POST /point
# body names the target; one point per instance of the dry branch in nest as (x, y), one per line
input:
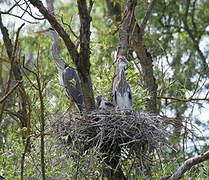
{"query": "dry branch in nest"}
(136, 132)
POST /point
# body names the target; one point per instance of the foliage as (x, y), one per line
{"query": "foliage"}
(175, 36)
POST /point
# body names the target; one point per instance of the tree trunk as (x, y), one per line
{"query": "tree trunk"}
(145, 60)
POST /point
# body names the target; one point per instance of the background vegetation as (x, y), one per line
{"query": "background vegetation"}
(176, 37)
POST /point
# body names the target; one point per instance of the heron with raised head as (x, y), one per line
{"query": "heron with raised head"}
(68, 76)
(122, 97)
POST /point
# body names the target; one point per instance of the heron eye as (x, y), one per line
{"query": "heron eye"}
(51, 29)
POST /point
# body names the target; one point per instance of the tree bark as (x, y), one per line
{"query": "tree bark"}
(83, 63)
(187, 165)
(145, 60)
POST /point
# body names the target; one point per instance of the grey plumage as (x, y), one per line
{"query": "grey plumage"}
(68, 77)
(72, 86)
(122, 96)
(104, 105)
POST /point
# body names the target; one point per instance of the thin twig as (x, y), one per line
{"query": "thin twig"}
(147, 15)
(70, 28)
(10, 91)
(176, 99)
(23, 157)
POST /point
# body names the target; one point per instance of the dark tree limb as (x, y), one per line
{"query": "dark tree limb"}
(10, 92)
(147, 15)
(6, 39)
(145, 60)
(83, 64)
(27, 144)
(188, 164)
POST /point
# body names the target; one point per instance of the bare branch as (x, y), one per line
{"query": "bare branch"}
(29, 12)
(54, 23)
(84, 55)
(10, 92)
(147, 15)
(5, 59)
(187, 165)
(19, 17)
(70, 28)
(91, 3)
(7, 40)
(23, 156)
(182, 99)
(16, 40)
(10, 9)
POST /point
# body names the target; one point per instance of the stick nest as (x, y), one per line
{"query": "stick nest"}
(136, 132)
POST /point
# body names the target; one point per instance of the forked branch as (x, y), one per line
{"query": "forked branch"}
(188, 164)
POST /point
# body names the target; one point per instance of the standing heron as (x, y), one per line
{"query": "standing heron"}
(68, 77)
(122, 96)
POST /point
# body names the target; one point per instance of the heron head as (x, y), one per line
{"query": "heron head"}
(49, 31)
(99, 98)
(121, 62)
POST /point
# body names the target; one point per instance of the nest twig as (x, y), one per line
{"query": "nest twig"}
(137, 132)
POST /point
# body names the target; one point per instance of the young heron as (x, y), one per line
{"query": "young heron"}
(122, 96)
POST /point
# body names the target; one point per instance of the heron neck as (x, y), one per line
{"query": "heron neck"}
(122, 73)
(55, 52)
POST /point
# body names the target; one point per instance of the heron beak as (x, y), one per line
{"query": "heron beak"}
(127, 62)
(39, 32)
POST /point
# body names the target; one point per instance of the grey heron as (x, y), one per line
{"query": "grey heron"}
(68, 76)
(122, 96)
(104, 105)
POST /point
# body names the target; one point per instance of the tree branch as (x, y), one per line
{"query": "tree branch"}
(5, 59)
(187, 165)
(191, 35)
(146, 63)
(183, 99)
(147, 15)
(16, 72)
(23, 157)
(10, 91)
(6, 39)
(54, 23)
(83, 64)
